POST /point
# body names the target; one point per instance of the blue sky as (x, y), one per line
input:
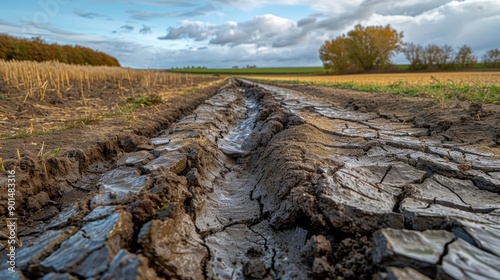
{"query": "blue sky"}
(225, 33)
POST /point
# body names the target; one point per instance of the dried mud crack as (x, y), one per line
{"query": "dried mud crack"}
(263, 182)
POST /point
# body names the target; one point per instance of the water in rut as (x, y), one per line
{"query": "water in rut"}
(261, 182)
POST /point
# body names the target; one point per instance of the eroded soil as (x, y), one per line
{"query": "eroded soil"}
(264, 182)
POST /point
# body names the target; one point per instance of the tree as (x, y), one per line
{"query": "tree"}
(415, 55)
(336, 56)
(445, 60)
(492, 58)
(465, 57)
(35, 49)
(432, 53)
(429, 57)
(364, 48)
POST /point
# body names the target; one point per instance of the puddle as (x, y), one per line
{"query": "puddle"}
(231, 143)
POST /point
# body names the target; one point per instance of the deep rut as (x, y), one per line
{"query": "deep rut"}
(262, 182)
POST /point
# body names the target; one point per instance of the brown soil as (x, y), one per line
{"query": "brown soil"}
(459, 121)
(62, 138)
(274, 197)
(72, 121)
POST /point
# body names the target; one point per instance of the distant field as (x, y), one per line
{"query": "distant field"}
(288, 70)
(441, 86)
(391, 78)
(475, 86)
(256, 71)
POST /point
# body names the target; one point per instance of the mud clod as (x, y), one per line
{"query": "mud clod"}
(254, 269)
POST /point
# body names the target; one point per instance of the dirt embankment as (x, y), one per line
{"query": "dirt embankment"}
(263, 182)
(49, 166)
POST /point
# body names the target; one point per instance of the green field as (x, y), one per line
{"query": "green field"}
(256, 71)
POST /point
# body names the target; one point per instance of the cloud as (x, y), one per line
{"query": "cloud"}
(146, 15)
(88, 15)
(145, 30)
(169, 3)
(157, 3)
(350, 17)
(225, 56)
(470, 22)
(263, 30)
(307, 21)
(412, 8)
(129, 52)
(270, 40)
(196, 30)
(126, 28)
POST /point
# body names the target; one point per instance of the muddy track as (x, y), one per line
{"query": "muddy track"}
(262, 182)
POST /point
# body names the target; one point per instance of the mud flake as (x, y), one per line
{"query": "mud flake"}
(464, 261)
(404, 248)
(173, 161)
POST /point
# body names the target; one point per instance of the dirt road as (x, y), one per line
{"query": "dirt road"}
(264, 182)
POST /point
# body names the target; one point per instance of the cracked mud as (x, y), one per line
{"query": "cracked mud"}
(263, 182)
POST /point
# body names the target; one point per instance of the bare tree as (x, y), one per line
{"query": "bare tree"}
(465, 57)
(492, 58)
(445, 59)
(432, 54)
(415, 55)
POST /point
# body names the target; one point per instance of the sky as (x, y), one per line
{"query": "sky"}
(226, 33)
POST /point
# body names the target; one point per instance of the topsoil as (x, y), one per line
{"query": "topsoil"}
(240, 185)
(48, 163)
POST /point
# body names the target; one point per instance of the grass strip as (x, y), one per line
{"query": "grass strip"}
(440, 91)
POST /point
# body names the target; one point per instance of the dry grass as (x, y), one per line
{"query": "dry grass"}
(471, 86)
(40, 98)
(38, 79)
(469, 78)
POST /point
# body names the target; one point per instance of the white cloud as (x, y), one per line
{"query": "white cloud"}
(467, 22)
(271, 40)
(262, 30)
(194, 12)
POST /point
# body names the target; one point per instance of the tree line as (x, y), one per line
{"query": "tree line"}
(434, 57)
(371, 48)
(35, 49)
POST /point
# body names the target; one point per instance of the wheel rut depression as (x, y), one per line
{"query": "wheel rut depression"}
(262, 182)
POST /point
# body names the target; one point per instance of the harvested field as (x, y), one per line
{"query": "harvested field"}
(483, 87)
(47, 98)
(265, 181)
(470, 78)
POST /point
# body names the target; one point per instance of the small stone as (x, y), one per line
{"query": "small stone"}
(254, 269)
(320, 170)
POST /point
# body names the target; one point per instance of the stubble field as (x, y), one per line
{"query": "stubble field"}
(481, 87)
(470, 78)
